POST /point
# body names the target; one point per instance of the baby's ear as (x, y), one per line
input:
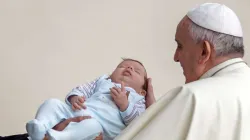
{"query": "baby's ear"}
(143, 92)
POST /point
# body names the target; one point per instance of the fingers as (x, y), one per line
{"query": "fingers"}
(81, 99)
(149, 81)
(80, 118)
(83, 106)
(150, 87)
(122, 87)
(78, 103)
(75, 106)
(150, 98)
(99, 137)
(115, 91)
(62, 125)
(112, 95)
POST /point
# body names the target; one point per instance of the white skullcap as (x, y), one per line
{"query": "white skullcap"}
(216, 17)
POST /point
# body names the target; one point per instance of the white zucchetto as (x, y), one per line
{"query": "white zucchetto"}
(216, 17)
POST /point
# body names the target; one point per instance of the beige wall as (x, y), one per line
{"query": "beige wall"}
(49, 47)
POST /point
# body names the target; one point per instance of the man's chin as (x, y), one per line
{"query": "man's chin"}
(190, 80)
(186, 82)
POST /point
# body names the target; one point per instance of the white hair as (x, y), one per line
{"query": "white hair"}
(224, 44)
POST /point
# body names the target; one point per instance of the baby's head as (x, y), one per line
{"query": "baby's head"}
(133, 74)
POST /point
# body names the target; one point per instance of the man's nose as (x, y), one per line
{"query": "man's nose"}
(176, 56)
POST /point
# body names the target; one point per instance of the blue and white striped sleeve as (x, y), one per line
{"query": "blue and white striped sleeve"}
(86, 90)
(133, 111)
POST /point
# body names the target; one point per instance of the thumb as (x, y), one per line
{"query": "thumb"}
(84, 98)
(81, 99)
(80, 118)
(150, 87)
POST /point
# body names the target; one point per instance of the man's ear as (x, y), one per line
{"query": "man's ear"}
(206, 52)
(143, 92)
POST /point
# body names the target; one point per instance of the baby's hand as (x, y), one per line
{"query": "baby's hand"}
(77, 102)
(120, 96)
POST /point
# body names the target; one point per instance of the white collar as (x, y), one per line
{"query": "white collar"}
(221, 66)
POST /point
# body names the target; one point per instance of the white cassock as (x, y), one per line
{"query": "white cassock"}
(216, 107)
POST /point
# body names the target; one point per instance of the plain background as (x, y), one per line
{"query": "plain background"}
(49, 47)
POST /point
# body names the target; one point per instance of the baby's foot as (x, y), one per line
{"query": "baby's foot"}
(36, 130)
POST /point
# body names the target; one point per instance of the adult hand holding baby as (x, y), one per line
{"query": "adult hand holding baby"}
(77, 102)
(150, 98)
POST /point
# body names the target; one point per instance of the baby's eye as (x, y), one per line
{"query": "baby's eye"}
(137, 71)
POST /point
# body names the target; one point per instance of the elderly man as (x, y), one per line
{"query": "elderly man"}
(214, 104)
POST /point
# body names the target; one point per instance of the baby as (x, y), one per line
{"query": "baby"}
(111, 101)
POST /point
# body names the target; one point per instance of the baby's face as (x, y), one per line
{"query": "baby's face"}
(131, 73)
